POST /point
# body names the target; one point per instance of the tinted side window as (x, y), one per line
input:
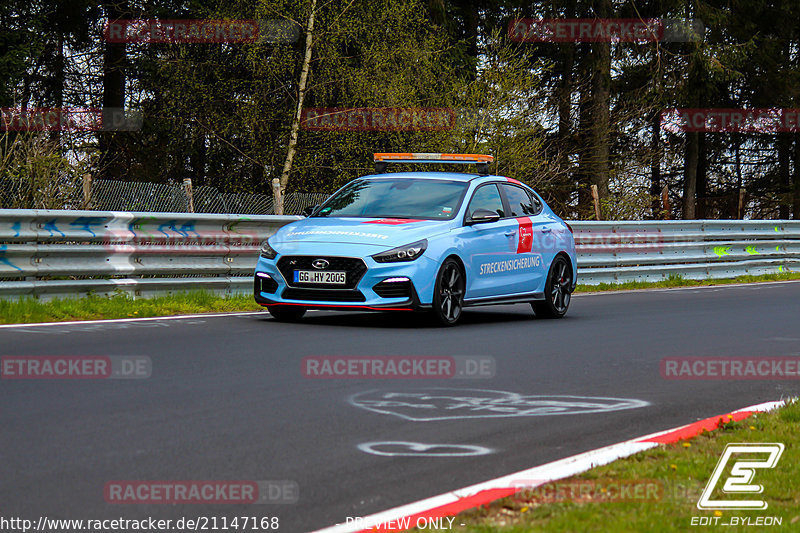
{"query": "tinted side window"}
(521, 203)
(486, 197)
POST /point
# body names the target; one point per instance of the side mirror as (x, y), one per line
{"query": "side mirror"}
(483, 216)
(310, 209)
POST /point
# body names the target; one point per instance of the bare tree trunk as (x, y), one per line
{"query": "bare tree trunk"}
(584, 170)
(690, 175)
(655, 162)
(301, 94)
(566, 88)
(197, 157)
(796, 180)
(601, 95)
(471, 19)
(564, 95)
(655, 138)
(702, 176)
(692, 149)
(593, 159)
(601, 90)
(784, 142)
(58, 82)
(740, 209)
(113, 91)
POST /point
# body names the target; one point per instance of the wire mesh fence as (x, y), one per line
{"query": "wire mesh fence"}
(59, 193)
(111, 195)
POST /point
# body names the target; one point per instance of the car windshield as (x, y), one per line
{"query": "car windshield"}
(425, 199)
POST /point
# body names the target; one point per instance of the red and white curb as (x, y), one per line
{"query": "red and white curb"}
(452, 503)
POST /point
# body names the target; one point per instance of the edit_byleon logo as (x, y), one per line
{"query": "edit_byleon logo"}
(749, 457)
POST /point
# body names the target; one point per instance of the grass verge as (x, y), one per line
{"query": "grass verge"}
(30, 310)
(681, 470)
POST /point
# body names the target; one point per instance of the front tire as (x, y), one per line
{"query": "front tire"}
(286, 313)
(448, 293)
(556, 290)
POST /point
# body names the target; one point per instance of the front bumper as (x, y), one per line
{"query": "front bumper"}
(371, 292)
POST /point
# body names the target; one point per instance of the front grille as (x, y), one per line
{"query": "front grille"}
(264, 285)
(352, 266)
(393, 289)
(323, 295)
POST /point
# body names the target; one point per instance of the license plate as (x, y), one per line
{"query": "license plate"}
(314, 276)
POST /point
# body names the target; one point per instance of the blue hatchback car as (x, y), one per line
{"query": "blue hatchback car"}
(434, 241)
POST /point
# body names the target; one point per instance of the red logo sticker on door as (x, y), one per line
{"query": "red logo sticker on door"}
(525, 242)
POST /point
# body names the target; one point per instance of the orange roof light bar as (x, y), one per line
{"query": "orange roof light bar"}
(481, 160)
(434, 157)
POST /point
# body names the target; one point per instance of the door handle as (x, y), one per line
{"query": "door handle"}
(510, 233)
(546, 230)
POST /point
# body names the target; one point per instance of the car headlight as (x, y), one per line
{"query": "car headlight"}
(267, 252)
(409, 252)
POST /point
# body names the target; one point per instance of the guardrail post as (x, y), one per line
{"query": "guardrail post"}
(596, 201)
(187, 188)
(87, 191)
(278, 198)
(740, 211)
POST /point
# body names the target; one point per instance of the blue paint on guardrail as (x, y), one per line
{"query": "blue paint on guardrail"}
(85, 223)
(188, 227)
(50, 226)
(171, 226)
(4, 260)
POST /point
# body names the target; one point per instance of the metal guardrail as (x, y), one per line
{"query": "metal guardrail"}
(622, 251)
(67, 253)
(62, 253)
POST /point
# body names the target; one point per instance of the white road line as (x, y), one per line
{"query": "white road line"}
(754, 284)
(113, 320)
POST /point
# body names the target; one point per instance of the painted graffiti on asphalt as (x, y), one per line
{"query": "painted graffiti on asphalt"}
(451, 404)
(418, 449)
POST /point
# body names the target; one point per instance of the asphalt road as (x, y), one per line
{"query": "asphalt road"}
(227, 400)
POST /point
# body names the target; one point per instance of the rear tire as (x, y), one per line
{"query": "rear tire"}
(286, 313)
(556, 290)
(448, 293)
